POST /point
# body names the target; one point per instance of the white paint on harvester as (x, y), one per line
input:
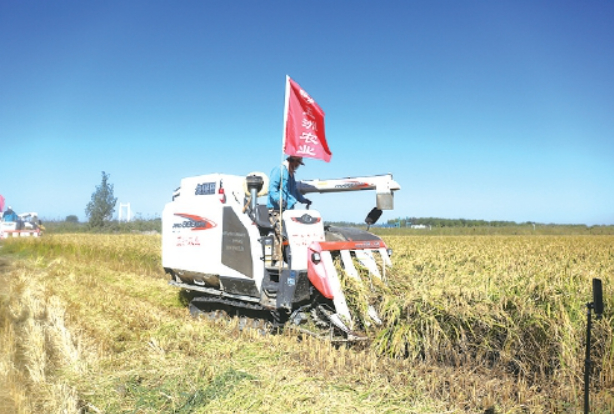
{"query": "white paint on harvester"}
(384, 253)
(366, 259)
(348, 264)
(338, 297)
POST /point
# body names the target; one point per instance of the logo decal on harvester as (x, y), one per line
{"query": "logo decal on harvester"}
(306, 219)
(352, 184)
(194, 222)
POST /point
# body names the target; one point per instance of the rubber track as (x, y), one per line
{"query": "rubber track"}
(194, 310)
(229, 302)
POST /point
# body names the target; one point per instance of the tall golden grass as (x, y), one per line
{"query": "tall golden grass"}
(472, 324)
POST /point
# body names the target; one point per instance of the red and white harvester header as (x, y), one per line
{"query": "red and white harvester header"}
(218, 243)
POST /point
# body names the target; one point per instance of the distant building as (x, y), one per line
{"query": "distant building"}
(418, 226)
(387, 226)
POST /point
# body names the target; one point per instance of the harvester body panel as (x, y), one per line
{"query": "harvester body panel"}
(206, 235)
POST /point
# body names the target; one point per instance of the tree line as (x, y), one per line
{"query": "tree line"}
(437, 222)
(444, 222)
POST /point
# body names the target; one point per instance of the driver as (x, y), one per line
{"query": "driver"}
(289, 195)
(9, 215)
(289, 192)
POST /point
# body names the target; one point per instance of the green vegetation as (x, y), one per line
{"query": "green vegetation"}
(102, 205)
(442, 222)
(72, 219)
(538, 230)
(137, 225)
(450, 227)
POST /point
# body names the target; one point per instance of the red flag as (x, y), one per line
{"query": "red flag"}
(1, 203)
(303, 125)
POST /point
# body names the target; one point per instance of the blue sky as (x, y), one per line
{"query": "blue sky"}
(494, 110)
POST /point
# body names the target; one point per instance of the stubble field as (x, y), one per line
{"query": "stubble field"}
(473, 324)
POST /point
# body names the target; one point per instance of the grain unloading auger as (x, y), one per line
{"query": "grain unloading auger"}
(218, 242)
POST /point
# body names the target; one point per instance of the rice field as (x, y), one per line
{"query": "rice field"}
(472, 324)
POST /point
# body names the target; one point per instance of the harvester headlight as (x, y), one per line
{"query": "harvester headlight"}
(316, 258)
(389, 251)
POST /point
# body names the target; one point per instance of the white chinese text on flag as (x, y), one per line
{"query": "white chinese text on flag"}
(304, 134)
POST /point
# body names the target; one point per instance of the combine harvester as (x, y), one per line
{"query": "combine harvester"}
(218, 244)
(26, 225)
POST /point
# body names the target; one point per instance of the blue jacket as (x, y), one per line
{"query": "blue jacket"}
(9, 216)
(290, 193)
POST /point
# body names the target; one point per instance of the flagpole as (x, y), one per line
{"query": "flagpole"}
(281, 169)
(286, 106)
(283, 143)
